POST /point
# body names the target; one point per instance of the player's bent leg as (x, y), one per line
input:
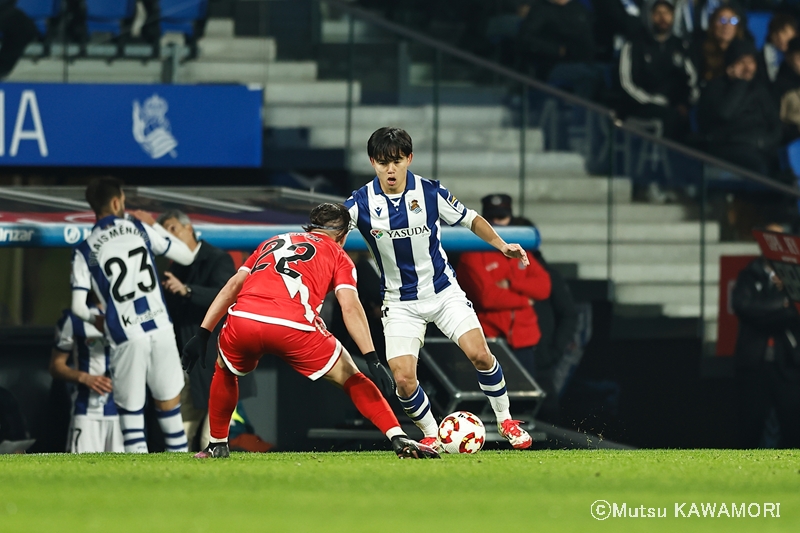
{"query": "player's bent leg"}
(169, 417)
(222, 399)
(493, 385)
(373, 406)
(413, 399)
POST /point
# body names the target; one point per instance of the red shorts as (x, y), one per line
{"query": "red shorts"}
(243, 341)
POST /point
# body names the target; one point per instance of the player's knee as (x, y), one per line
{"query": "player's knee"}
(406, 383)
(482, 358)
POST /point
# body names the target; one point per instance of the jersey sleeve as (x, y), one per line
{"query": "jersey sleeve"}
(452, 211)
(352, 207)
(81, 278)
(248, 265)
(163, 242)
(64, 338)
(344, 276)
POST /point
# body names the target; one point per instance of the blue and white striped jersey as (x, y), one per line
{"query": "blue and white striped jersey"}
(403, 235)
(90, 354)
(116, 262)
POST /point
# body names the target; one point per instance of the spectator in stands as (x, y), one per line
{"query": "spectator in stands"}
(503, 290)
(17, 32)
(693, 18)
(787, 91)
(737, 114)
(189, 290)
(556, 40)
(767, 354)
(726, 25)
(615, 21)
(782, 29)
(657, 76)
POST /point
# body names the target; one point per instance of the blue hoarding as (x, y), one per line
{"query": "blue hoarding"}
(243, 237)
(130, 125)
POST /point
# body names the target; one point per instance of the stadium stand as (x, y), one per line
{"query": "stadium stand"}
(181, 16)
(41, 12)
(758, 24)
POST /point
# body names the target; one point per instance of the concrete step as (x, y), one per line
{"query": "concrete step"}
(665, 293)
(569, 187)
(645, 254)
(245, 49)
(313, 93)
(87, 70)
(596, 213)
(643, 273)
(683, 232)
(219, 27)
(415, 119)
(693, 310)
(484, 172)
(505, 140)
(264, 73)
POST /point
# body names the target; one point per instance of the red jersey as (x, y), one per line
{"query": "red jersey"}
(290, 275)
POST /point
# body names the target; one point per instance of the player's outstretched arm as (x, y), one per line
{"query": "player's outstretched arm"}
(163, 242)
(485, 231)
(226, 298)
(355, 320)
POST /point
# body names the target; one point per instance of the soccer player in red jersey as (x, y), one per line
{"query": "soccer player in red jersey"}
(272, 304)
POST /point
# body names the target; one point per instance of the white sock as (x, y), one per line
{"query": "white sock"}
(418, 408)
(132, 425)
(171, 424)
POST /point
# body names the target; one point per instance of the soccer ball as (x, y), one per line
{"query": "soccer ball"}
(461, 432)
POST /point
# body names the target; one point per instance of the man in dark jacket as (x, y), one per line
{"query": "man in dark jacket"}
(767, 355)
(658, 78)
(556, 37)
(189, 290)
(17, 31)
(737, 114)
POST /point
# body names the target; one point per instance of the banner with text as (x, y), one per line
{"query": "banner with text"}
(130, 125)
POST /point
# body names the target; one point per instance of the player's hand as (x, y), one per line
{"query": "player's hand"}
(503, 284)
(99, 384)
(380, 375)
(515, 251)
(195, 350)
(173, 284)
(144, 217)
(100, 323)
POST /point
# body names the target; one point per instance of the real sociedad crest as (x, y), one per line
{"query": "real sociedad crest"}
(151, 129)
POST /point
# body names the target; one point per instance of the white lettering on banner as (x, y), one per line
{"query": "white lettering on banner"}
(28, 100)
(15, 235)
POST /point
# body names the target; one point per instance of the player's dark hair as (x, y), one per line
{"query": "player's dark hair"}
(330, 217)
(389, 144)
(101, 190)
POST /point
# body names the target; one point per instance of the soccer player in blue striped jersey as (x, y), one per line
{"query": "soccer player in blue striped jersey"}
(95, 425)
(116, 262)
(400, 214)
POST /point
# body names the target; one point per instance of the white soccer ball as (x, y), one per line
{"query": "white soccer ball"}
(461, 432)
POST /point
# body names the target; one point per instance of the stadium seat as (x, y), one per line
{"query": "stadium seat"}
(757, 23)
(40, 11)
(179, 16)
(106, 16)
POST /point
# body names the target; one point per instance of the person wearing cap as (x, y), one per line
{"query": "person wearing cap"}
(503, 290)
(787, 91)
(738, 118)
(657, 77)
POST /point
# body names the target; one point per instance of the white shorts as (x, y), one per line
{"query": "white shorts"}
(95, 435)
(151, 361)
(404, 323)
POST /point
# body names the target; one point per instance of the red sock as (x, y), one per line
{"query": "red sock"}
(370, 402)
(222, 401)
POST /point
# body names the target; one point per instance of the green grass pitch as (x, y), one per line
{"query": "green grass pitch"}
(508, 491)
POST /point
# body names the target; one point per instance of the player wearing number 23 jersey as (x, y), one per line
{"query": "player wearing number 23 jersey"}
(116, 262)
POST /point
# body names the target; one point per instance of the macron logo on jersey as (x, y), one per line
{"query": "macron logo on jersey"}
(402, 233)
